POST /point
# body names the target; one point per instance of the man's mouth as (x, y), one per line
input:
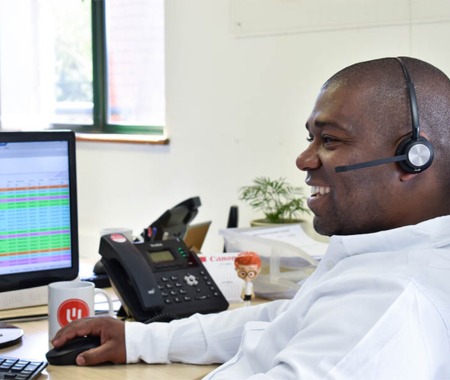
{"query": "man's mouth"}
(319, 190)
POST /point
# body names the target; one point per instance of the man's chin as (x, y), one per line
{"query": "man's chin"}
(322, 228)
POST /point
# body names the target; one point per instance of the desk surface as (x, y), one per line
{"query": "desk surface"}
(34, 346)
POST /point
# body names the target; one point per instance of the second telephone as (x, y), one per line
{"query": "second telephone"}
(159, 281)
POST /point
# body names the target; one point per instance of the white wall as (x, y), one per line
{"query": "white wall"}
(236, 108)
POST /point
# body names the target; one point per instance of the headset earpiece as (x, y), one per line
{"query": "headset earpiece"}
(419, 154)
(418, 151)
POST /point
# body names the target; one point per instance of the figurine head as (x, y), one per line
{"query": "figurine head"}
(247, 265)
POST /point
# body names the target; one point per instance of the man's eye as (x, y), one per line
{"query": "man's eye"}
(325, 139)
(328, 139)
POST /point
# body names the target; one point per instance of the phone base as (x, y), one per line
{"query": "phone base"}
(100, 280)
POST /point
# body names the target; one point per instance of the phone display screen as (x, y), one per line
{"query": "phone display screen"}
(161, 257)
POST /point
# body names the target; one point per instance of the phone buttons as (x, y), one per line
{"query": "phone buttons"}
(191, 280)
(187, 287)
(205, 297)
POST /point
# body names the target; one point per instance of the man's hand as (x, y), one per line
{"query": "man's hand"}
(112, 337)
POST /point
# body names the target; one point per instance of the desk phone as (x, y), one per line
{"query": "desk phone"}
(159, 280)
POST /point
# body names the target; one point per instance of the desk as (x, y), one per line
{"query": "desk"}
(34, 346)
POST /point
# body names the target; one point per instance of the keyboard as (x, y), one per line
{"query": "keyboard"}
(20, 369)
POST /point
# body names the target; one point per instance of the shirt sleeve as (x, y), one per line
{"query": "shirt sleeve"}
(363, 340)
(199, 339)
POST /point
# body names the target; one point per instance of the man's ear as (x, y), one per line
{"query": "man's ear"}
(405, 177)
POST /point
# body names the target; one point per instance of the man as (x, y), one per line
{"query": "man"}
(378, 305)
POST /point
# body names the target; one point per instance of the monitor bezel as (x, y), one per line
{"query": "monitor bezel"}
(9, 282)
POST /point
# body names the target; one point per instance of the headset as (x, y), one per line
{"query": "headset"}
(414, 154)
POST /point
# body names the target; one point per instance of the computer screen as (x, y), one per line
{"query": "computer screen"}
(38, 209)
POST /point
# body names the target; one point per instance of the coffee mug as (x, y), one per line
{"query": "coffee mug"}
(71, 300)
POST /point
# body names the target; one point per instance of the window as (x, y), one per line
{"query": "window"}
(88, 65)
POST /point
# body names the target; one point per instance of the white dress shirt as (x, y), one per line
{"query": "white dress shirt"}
(377, 307)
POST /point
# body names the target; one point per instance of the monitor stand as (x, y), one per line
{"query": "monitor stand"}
(9, 335)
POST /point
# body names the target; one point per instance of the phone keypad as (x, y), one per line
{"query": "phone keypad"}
(187, 287)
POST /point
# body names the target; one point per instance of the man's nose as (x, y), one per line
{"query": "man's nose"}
(308, 159)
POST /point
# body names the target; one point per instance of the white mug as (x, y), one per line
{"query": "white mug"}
(71, 300)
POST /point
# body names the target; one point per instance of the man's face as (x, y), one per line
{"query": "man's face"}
(341, 132)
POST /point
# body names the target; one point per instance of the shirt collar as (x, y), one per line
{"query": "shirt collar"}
(433, 232)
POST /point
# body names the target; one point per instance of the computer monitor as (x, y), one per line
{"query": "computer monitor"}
(38, 209)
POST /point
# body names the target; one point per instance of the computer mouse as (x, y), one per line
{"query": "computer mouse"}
(66, 354)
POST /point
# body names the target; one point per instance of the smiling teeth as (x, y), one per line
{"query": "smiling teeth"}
(320, 190)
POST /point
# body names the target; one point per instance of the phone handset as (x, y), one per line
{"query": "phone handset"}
(129, 273)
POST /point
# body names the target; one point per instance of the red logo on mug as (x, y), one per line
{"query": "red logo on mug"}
(71, 310)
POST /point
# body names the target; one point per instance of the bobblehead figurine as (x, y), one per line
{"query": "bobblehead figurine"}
(248, 266)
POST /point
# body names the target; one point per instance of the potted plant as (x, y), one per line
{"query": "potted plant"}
(279, 201)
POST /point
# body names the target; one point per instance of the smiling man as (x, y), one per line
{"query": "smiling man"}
(378, 305)
(364, 113)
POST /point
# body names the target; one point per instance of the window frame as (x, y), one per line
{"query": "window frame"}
(100, 129)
